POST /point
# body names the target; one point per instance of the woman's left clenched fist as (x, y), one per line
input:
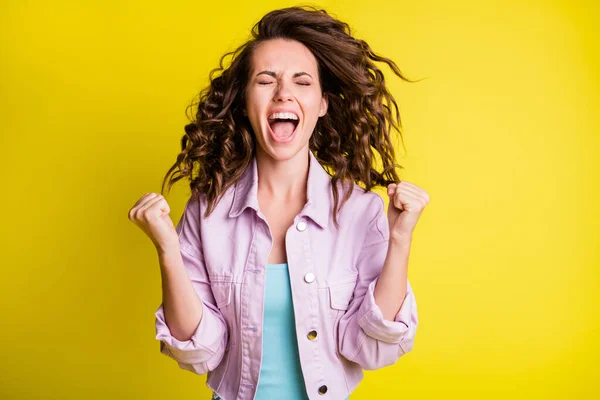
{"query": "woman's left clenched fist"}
(407, 202)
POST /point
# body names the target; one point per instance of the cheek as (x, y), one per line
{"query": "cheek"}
(253, 110)
(315, 102)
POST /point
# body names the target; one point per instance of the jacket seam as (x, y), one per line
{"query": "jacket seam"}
(184, 248)
(402, 347)
(226, 368)
(376, 219)
(361, 340)
(375, 244)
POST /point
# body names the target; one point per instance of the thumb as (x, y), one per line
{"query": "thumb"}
(391, 189)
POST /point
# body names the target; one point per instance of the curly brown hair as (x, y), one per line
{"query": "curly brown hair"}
(346, 141)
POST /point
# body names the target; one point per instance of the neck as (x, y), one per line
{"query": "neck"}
(283, 180)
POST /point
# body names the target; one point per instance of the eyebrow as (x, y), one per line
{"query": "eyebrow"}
(271, 73)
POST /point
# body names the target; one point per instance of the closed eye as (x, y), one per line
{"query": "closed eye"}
(299, 83)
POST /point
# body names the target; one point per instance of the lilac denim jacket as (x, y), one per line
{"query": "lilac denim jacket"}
(333, 272)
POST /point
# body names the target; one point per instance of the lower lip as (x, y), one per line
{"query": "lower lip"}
(281, 140)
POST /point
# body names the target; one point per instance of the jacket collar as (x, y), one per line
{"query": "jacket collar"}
(318, 191)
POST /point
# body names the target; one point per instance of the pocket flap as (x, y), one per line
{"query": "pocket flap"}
(340, 295)
(222, 293)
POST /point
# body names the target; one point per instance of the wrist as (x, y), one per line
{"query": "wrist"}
(166, 250)
(400, 239)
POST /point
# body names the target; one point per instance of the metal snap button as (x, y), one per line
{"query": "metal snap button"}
(323, 389)
(312, 335)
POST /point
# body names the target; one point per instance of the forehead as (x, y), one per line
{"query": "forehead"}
(280, 55)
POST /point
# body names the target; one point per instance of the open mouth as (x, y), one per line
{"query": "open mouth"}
(283, 129)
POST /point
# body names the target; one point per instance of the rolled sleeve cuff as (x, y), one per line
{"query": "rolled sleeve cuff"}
(372, 322)
(209, 336)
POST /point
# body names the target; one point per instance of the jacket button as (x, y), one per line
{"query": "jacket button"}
(323, 389)
(301, 226)
(312, 335)
(309, 277)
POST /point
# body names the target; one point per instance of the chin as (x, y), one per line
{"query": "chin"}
(282, 151)
(283, 154)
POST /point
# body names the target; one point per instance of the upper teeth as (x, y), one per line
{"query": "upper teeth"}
(285, 115)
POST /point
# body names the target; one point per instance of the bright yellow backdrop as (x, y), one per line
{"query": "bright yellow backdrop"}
(503, 134)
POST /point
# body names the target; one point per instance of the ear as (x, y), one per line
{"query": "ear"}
(324, 105)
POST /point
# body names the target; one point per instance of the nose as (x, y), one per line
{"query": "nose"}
(283, 92)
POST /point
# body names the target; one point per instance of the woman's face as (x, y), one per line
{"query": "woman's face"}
(283, 97)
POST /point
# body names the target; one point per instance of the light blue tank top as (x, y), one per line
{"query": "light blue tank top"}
(280, 371)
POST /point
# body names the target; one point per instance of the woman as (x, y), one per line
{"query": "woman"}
(269, 274)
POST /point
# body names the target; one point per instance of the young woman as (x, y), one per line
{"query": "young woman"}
(284, 278)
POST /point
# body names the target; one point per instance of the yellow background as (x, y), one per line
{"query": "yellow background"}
(503, 134)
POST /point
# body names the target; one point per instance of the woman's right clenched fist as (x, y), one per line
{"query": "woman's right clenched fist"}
(151, 214)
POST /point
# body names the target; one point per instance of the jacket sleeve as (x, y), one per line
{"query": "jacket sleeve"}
(205, 349)
(365, 337)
